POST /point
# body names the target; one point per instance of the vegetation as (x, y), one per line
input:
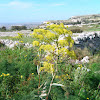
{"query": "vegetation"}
(76, 30)
(18, 28)
(20, 37)
(92, 27)
(3, 28)
(48, 70)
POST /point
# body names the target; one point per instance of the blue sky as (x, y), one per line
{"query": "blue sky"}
(24, 11)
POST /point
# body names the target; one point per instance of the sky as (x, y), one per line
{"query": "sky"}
(29, 11)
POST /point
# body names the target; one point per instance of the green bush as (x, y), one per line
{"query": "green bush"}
(18, 28)
(1, 44)
(19, 64)
(76, 30)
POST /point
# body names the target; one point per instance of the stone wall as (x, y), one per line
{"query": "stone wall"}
(92, 42)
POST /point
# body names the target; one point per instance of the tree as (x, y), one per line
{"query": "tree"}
(3, 28)
(18, 27)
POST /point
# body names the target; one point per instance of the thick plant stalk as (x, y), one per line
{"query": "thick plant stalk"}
(53, 76)
(39, 83)
(50, 87)
(39, 71)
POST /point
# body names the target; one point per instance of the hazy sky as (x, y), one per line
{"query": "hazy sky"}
(15, 11)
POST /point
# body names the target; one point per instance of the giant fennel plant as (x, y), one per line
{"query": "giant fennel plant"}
(54, 46)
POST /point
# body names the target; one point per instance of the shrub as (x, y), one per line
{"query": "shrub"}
(76, 30)
(80, 53)
(18, 28)
(1, 44)
(3, 28)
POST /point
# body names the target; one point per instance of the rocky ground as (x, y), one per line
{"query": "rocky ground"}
(14, 33)
(90, 40)
(10, 43)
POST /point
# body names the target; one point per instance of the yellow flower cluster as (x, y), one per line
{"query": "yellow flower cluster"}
(35, 43)
(60, 29)
(4, 74)
(62, 25)
(53, 26)
(63, 77)
(21, 41)
(72, 54)
(41, 34)
(50, 35)
(40, 37)
(63, 51)
(65, 31)
(47, 67)
(40, 31)
(48, 48)
(57, 30)
(48, 58)
(63, 43)
(70, 41)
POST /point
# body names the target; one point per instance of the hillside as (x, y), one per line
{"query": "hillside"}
(85, 19)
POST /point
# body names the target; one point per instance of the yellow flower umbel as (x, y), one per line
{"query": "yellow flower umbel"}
(62, 43)
(62, 25)
(47, 48)
(72, 54)
(49, 35)
(47, 67)
(35, 43)
(70, 41)
(48, 58)
(40, 37)
(63, 52)
(58, 30)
